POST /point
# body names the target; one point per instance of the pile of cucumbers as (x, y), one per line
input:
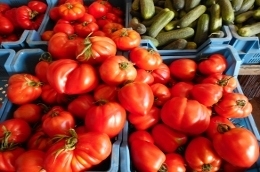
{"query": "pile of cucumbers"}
(186, 24)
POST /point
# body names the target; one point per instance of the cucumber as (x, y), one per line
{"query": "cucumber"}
(156, 17)
(158, 9)
(208, 3)
(135, 5)
(191, 16)
(256, 14)
(147, 8)
(249, 30)
(190, 4)
(191, 45)
(202, 30)
(160, 23)
(257, 3)
(215, 18)
(166, 37)
(178, 44)
(169, 4)
(227, 12)
(246, 5)
(153, 40)
(178, 4)
(171, 25)
(241, 18)
(236, 4)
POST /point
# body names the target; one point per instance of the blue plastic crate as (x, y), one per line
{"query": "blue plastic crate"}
(34, 37)
(21, 43)
(24, 61)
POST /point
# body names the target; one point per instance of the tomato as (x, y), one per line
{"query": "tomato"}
(144, 76)
(136, 97)
(57, 122)
(105, 117)
(181, 89)
(95, 49)
(36, 158)
(54, 13)
(66, 28)
(161, 93)
(11, 15)
(227, 167)
(4, 7)
(146, 156)
(143, 122)
(233, 105)
(42, 66)
(8, 158)
(183, 69)
(242, 146)
(98, 33)
(110, 27)
(14, 131)
(78, 152)
(70, 72)
(29, 112)
(201, 156)
(126, 39)
(23, 88)
(46, 35)
(145, 58)
(78, 106)
(167, 139)
(117, 70)
(98, 9)
(229, 83)
(140, 135)
(188, 116)
(105, 92)
(39, 140)
(6, 26)
(109, 17)
(51, 97)
(107, 4)
(162, 74)
(71, 11)
(62, 46)
(175, 163)
(85, 28)
(207, 94)
(64, 1)
(215, 63)
(37, 6)
(28, 19)
(9, 38)
(215, 121)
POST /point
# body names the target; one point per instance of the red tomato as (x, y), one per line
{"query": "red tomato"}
(78, 152)
(175, 163)
(183, 69)
(86, 25)
(233, 105)
(143, 122)
(188, 116)
(181, 89)
(38, 6)
(215, 63)
(105, 117)
(46, 35)
(57, 122)
(201, 156)
(9, 38)
(144, 76)
(71, 72)
(6, 26)
(39, 140)
(98, 9)
(167, 139)
(105, 92)
(62, 46)
(227, 167)
(107, 4)
(71, 11)
(162, 74)
(140, 135)
(229, 83)
(126, 39)
(54, 13)
(14, 131)
(42, 66)
(4, 7)
(207, 94)
(215, 121)
(23, 88)
(117, 11)
(145, 58)
(11, 15)
(136, 97)
(110, 27)
(117, 70)
(78, 106)
(146, 156)
(29, 112)
(95, 49)
(98, 33)
(35, 163)
(8, 158)
(161, 93)
(66, 28)
(242, 146)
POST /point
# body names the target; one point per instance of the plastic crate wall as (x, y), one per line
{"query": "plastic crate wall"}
(21, 43)
(24, 61)
(248, 47)
(234, 63)
(34, 37)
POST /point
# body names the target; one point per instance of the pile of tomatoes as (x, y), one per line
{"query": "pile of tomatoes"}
(14, 20)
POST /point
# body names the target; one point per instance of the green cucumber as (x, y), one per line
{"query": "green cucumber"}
(227, 12)
(246, 5)
(241, 18)
(215, 18)
(178, 4)
(249, 30)
(190, 4)
(147, 8)
(156, 17)
(202, 30)
(178, 44)
(236, 4)
(153, 40)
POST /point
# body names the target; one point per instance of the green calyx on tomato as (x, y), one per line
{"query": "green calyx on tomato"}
(222, 128)
(32, 83)
(224, 81)
(5, 145)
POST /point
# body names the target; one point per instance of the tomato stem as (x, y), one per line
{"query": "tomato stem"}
(163, 168)
(5, 140)
(222, 128)
(86, 51)
(46, 56)
(241, 103)
(206, 167)
(224, 82)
